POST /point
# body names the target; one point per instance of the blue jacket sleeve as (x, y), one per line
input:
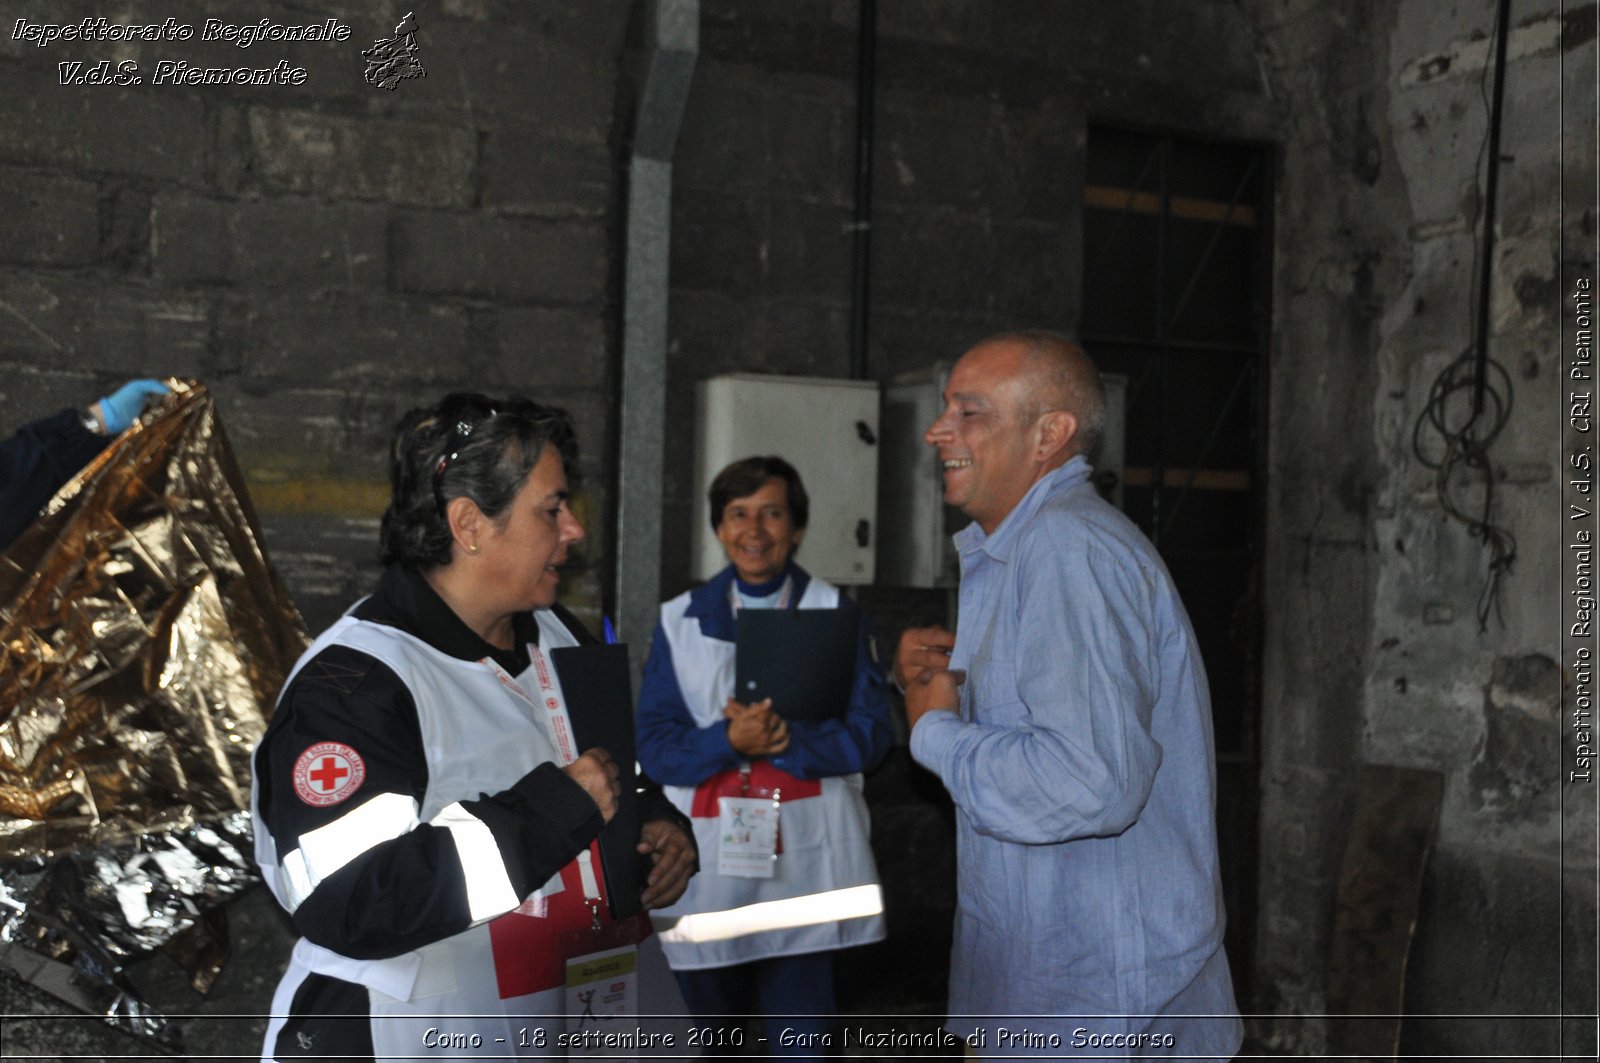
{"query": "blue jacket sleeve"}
(671, 749)
(856, 741)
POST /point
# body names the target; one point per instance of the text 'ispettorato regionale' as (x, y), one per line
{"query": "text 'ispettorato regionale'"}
(177, 72)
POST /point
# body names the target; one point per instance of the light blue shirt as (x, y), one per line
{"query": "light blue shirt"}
(1083, 773)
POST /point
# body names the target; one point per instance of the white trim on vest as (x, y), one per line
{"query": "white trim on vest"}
(489, 889)
(333, 845)
(852, 902)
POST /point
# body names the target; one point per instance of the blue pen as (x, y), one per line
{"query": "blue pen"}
(610, 631)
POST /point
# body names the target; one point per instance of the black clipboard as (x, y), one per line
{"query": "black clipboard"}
(599, 694)
(803, 659)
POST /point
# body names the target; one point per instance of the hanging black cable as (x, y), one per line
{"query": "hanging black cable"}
(866, 49)
(1466, 447)
(1492, 184)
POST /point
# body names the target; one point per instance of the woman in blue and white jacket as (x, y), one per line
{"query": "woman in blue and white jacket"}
(762, 945)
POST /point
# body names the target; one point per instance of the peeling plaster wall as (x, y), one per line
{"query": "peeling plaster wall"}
(1334, 258)
(1375, 655)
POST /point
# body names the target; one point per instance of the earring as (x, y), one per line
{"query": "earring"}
(472, 549)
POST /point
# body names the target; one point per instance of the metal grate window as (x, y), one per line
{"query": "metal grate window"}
(1175, 298)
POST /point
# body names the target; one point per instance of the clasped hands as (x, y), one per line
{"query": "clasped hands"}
(922, 670)
(755, 730)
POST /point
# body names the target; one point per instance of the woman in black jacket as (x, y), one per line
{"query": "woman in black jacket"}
(425, 806)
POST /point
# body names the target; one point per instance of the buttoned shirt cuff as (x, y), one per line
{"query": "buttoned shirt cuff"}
(932, 737)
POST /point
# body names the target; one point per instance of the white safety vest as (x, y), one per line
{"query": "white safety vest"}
(824, 893)
(477, 738)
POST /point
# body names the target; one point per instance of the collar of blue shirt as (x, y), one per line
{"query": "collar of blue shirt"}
(1003, 542)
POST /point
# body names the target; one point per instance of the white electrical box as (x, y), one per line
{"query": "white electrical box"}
(826, 429)
(915, 548)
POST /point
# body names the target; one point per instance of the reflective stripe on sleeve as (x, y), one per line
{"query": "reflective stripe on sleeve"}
(333, 845)
(489, 891)
(855, 902)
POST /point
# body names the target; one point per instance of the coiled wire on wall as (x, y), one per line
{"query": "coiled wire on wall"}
(1465, 451)
(1466, 448)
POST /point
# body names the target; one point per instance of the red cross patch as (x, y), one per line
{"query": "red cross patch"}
(327, 773)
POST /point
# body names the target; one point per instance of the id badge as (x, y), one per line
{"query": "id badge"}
(602, 987)
(748, 827)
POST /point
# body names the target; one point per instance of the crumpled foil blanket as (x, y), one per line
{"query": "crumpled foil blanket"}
(143, 639)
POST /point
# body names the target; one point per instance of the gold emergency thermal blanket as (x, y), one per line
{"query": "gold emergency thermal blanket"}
(143, 639)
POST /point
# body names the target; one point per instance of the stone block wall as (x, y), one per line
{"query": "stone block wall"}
(324, 254)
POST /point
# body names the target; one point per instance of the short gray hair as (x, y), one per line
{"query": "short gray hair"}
(1064, 377)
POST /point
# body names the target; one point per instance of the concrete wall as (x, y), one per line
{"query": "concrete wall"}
(1374, 654)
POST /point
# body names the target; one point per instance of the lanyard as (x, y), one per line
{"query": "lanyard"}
(560, 725)
(551, 703)
(591, 885)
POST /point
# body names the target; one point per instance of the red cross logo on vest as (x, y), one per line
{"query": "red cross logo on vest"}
(328, 773)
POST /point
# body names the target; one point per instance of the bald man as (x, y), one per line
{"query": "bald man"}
(1069, 718)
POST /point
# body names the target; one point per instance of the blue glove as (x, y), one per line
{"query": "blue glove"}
(119, 408)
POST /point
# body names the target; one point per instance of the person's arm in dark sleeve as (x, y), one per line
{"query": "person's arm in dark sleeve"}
(856, 741)
(34, 463)
(365, 876)
(671, 862)
(671, 748)
(653, 804)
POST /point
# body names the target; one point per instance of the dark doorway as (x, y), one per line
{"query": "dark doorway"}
(1177, 254)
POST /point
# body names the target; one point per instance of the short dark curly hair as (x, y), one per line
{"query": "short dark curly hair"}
(465, 445)
(747, 475)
